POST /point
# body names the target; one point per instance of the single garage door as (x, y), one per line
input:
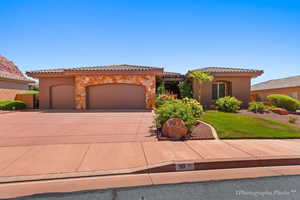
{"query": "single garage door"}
(115, 96)
(62, 97)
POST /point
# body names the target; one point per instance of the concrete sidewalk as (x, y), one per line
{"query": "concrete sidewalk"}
(76, 160)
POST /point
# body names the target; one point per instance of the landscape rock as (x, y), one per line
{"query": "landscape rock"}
(280, 111)
(174, 128)
(202, 131)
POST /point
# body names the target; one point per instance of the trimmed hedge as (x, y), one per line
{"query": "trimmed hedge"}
(31, 92)
(12, 105)
(284, 101)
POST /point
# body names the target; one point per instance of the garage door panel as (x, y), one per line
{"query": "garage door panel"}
(114, 96)
(62, 97)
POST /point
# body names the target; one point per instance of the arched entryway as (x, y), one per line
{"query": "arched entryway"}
(116, 96)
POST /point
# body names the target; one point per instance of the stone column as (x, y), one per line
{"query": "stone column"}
(80, 93)
(150, 86)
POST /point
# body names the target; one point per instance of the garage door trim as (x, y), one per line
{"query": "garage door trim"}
(51, 95)
(135, 103)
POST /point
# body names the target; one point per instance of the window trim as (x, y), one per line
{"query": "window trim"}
(218, 89)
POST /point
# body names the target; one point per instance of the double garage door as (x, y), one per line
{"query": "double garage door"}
(108, 96)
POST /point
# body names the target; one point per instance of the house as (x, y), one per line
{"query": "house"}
(99, 87)
(132, 86)
(288, 86)
(227, 82)
(12, 81)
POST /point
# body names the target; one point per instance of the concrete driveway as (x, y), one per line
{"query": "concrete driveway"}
(72, 127)
(49, 145)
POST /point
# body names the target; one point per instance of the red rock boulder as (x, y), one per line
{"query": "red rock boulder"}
(280, 111)
(174, 128)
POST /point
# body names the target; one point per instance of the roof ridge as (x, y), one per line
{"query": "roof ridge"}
(226, 69)
(98, 67)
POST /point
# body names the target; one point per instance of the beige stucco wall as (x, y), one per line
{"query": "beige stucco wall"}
(240, 89)
(9, 89)
(45, 88)
(292, 92)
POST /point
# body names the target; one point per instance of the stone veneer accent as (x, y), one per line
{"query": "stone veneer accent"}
(83, 81)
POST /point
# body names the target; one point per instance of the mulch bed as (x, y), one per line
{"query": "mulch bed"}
(274, 116)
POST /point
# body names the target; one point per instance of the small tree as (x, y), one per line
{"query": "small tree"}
(185, 88)
(161, 90)
(200, 77)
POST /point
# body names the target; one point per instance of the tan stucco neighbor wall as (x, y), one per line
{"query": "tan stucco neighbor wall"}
(240, 87)
(83, 81)
(9, 89)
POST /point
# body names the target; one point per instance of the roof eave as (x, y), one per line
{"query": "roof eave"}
(278, 88)
(92, 72)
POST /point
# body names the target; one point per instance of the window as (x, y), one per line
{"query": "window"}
(218, 90)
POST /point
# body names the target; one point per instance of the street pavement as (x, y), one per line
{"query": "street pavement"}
(275, 188)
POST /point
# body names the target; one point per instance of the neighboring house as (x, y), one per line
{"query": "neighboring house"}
(12, 81)
(288, 86)
(227, 82)
(99, 87)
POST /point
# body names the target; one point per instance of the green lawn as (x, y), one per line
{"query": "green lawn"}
(232, 125)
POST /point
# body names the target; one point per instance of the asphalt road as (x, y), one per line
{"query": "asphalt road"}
(285, 187)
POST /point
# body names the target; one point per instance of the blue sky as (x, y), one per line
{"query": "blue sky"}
(177, 35)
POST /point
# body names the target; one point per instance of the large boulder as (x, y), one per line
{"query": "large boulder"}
(174, 128)
(202, 130)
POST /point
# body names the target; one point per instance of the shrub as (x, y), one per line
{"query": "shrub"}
(185, 88)
(195, 105)
(228, 104)
(175, 110)
(292, 119)
(284, 101)
(257, 107)
(12, 105)
(164, 99)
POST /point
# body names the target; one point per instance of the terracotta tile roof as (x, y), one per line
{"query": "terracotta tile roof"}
(8, 70)
(123, 67)
(288, 82)
(227, 70)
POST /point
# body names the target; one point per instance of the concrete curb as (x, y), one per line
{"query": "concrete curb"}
(172, 166)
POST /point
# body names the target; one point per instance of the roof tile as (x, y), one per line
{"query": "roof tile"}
(226, 70)
(123, 67)
(9, 70)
